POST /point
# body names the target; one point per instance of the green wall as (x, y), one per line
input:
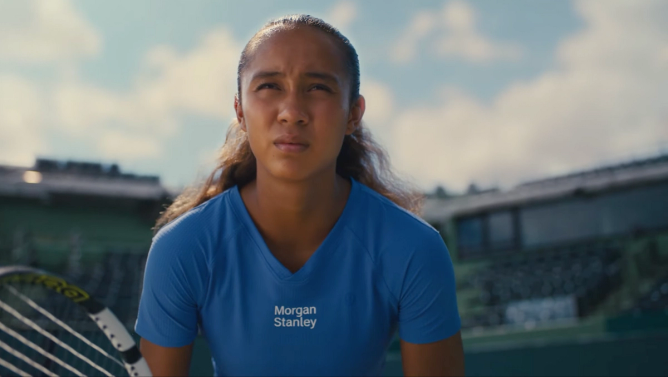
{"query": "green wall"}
(51, 226)
(610, 355)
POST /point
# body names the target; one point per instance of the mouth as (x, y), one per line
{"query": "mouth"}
(291, 147)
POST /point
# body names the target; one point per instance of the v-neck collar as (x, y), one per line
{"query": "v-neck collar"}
(328, 246)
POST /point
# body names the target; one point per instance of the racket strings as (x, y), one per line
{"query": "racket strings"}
(14, 369)
(45, 331)
(62, 324)
(34, 326)
(37, 348)
(12, 351)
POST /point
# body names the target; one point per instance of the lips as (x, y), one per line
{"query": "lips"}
(290, 139)
(291, 143)
(291, 147)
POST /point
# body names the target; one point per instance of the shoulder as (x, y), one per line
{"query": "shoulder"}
(199, 229)
(392, 224)
(399, 242)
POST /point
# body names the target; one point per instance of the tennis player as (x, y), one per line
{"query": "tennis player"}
(300, 255)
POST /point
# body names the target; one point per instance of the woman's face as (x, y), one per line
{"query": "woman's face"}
(295, 104)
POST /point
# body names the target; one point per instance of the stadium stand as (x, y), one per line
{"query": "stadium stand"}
(87, 221)
(563, 258)
(587, 244)
(656, 299)
(523, 285)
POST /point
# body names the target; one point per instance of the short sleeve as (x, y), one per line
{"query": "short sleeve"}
(428, 303)
(173, 286)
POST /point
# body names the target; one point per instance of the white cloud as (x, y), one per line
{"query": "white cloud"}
(118, 145)
(607, 99)
(663, 57)
(379, 102)
(342, 14)
(464, 41)
(21, 121)
(379, 109)
(405, 49)
(201, 82)
(454, 35)
(37, 31)
(123, 126)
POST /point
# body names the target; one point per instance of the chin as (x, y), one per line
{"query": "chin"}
(296, 169)
(290, 172)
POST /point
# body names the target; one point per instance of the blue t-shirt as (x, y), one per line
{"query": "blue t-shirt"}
(379, 268)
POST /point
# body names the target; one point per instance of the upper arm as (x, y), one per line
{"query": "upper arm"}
(428, 303)
(442, 358)
(175, 281)
(166, 361)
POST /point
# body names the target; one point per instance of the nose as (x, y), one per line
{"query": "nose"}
(293, 110)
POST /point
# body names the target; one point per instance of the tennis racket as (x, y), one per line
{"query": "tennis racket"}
(49, 327)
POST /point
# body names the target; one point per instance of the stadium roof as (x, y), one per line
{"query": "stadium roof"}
(49, 177)
(580, 183)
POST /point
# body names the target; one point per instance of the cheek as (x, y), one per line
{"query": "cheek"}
(258, 143)
(257, 121)
(330, 108)
(256, 113)
(330, 139)
(331, 129)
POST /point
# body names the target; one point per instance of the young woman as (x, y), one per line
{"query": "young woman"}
(299, 255)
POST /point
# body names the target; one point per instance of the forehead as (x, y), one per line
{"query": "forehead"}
(299, 50)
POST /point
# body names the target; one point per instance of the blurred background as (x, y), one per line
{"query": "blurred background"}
(537, 130)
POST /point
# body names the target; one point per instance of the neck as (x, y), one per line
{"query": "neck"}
(295, 215)
(296, 202)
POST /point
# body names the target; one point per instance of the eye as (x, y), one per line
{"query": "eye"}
(267, 85)
(321, 87)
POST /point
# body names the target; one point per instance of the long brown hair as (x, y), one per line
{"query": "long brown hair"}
(360, 158)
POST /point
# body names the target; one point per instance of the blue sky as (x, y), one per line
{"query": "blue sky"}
(481, 91)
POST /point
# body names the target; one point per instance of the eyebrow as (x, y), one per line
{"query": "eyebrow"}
(265, 74)
(318, 75)
(323, 75)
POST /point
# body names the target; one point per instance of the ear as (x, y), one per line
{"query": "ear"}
(356, 113)
(239, 112)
